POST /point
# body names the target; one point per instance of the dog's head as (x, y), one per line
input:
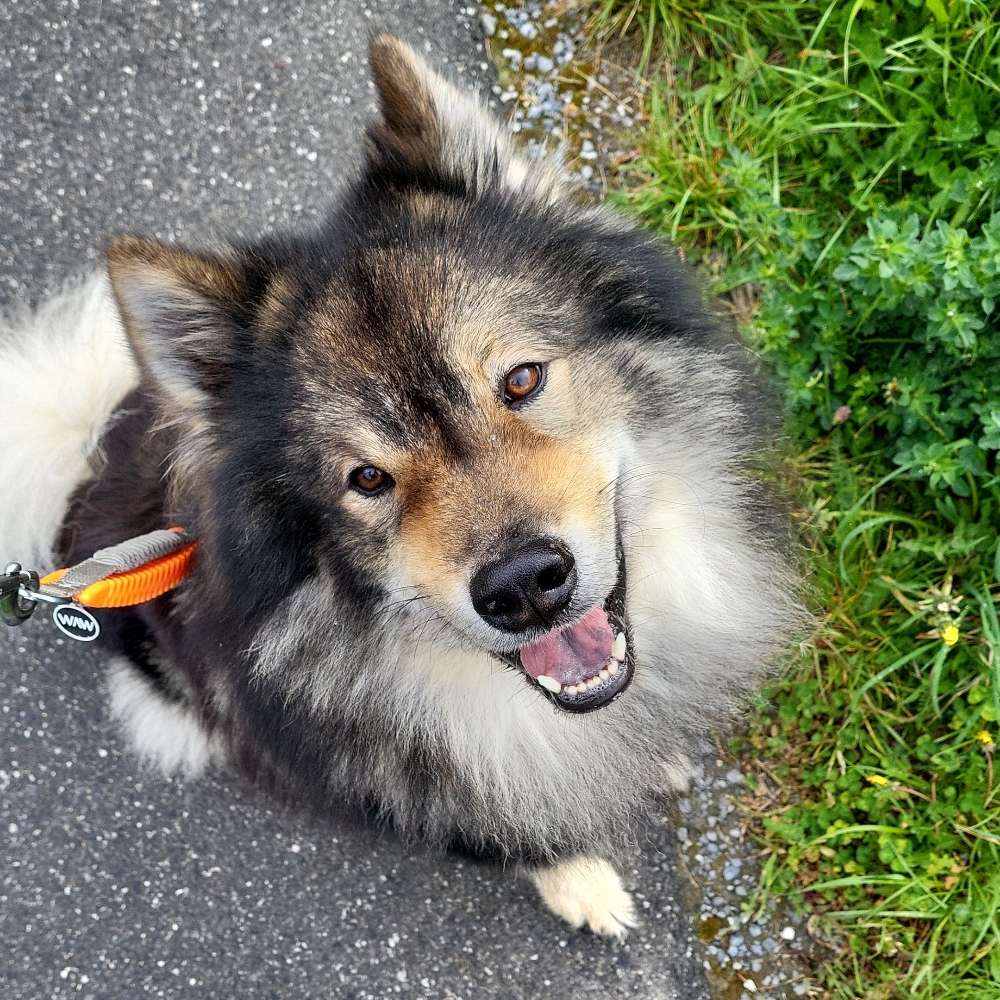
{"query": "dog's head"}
(449, 397)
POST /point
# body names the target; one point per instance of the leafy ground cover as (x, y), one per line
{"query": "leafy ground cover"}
(835, 169)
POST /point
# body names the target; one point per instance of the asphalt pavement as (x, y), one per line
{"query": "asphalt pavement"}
(184, 120)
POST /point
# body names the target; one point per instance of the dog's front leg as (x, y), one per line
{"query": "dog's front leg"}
(586, 891)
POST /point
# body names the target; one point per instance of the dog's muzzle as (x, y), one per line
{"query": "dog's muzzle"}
(587, 664)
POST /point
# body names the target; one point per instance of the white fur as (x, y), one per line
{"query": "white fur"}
(587, 891)
(678, 775)
(165, 734)
(64, 367)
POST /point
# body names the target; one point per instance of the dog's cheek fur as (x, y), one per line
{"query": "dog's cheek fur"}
(714, 595)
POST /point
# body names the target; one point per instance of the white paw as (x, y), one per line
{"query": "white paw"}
(163, 733)
(587, 892)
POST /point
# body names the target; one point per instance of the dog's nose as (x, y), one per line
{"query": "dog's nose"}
(525, 589)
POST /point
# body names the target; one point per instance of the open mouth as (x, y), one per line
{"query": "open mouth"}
(586, 665)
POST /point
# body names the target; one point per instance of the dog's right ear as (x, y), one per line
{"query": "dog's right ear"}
(181, 311)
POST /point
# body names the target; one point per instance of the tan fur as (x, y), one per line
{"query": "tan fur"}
(278, 301)
(177, 269)
(453, 518)
(425, 119)
(548, 465)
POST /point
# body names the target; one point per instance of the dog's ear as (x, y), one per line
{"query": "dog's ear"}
(181, 311)
(433, 133)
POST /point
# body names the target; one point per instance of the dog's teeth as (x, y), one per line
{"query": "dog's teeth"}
(604, 674)
(593, 682)
(549, 683)
(618, 649)
(572, 689)
(613, 667)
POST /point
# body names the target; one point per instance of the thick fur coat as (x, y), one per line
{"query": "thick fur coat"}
(326, 642)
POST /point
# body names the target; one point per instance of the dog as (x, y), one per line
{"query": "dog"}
(484, 551)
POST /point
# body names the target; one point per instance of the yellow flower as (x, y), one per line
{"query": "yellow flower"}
(949, 635)
(984, 737)
(877, 779)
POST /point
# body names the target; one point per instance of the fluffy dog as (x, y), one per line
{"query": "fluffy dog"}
(482, 551)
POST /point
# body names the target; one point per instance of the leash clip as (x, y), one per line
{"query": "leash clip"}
(18, 594)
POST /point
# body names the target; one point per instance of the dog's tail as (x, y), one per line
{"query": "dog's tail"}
(64, 367)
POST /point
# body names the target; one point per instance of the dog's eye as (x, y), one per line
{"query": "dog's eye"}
(523, 382)
(369, 481)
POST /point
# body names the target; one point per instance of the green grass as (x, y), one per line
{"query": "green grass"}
(835, 170)
(875, 794)
(668, 26)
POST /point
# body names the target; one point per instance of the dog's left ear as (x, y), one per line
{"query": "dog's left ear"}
(432, 133)
(182, 314)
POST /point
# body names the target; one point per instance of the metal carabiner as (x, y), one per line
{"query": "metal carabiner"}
(17, 589)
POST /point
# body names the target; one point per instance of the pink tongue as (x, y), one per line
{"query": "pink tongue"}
(573, 654)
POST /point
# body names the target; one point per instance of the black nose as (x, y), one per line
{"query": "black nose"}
(525, 589)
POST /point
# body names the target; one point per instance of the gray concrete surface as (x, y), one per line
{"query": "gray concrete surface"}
(181, 119)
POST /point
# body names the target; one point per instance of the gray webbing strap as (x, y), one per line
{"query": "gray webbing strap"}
(130, 554)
